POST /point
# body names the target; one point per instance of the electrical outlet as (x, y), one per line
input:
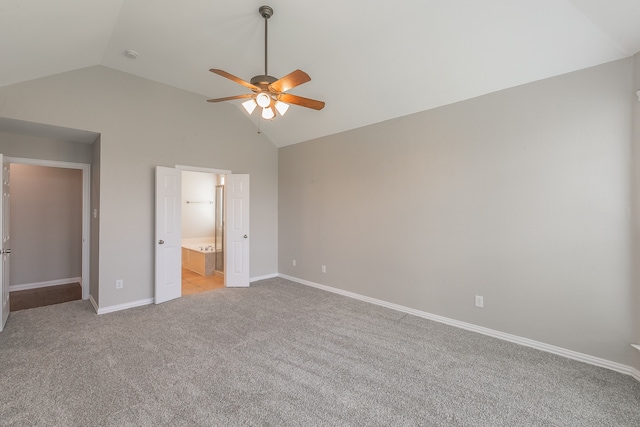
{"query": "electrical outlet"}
(119, 284)
(479, 301)
(324, 268)
(294, 262)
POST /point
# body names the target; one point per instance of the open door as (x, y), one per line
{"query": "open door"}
(5, 248)
(237, 231)
(168, 241)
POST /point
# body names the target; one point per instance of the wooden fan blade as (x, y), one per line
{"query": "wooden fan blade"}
(303, 102)
(290, 81)
(229, 98)
(234, 78)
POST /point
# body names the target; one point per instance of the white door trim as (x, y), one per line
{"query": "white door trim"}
(199, 169)
(86, 208)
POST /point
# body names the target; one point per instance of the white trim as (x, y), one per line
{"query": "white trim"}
(118, 307)
(636, 346)
(581, 357)
(267, 276)
(58, 282)
(199, 169)
(86, 208)
(94, 303)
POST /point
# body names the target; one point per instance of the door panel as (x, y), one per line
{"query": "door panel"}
(5, 248)
(168, 240)
(237, 231)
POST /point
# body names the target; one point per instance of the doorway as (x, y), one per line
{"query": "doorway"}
(202, 251)
(168, 232)
(49, 224)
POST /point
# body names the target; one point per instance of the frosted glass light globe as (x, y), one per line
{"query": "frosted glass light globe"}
(263, 100)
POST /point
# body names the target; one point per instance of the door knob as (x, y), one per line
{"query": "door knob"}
(245, 236)
(161, 242)
(7, 251)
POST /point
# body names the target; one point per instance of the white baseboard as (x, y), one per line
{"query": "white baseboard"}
(94, 303)
(581, 357)
(24, 287)
(268, 276)
(112, 308)
(118, 307)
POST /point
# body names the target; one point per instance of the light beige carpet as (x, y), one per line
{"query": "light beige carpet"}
(280, 353)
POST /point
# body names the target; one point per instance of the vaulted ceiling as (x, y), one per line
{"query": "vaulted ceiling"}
(369, 60)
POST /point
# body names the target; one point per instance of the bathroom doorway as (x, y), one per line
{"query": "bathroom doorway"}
(168, 230)
(203, 250)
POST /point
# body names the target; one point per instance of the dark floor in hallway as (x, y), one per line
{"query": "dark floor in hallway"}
(32, 298)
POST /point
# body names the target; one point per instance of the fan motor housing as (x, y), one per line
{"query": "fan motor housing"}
(262, 81)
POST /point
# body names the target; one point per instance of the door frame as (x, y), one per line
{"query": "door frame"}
(86, 208)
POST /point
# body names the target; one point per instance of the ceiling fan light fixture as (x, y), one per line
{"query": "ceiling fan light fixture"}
(249, 105)
(267, 113)
(267, 89)
(281, 107)
(263, 100)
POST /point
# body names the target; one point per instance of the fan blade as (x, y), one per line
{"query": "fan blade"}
(303, 102)
(229, 98)
(234, 78)
(290, 81)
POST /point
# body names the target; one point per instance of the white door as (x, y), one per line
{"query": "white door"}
(236, 269)
(168, 280)
(5, 248)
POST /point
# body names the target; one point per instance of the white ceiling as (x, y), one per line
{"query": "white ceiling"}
(369, 60)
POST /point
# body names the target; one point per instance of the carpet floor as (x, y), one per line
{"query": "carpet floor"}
(280, 353)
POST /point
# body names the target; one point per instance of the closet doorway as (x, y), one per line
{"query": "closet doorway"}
(49, 225)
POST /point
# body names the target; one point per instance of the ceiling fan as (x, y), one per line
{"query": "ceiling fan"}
(269, 93)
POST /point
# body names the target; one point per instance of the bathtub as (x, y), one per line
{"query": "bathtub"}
(200, 257)
(204, 247)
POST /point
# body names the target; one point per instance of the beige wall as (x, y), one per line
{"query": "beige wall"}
(521, 196)
(46, 224)
(143, 124)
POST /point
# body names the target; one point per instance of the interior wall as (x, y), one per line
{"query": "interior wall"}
(198, 216)
(46, 224)
(143, 124)
(520, 196)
